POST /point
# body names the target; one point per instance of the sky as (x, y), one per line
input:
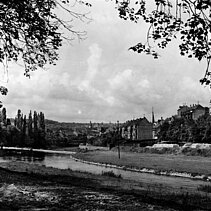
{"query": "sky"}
(100, 80)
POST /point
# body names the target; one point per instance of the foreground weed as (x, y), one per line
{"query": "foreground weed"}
(111, 174)
(205, 188)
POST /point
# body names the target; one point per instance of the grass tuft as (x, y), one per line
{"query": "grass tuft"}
(111, 174)
(205, 188)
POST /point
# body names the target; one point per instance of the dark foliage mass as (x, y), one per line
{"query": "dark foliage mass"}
(25, 132)
(31, 31)
(188, 20)
(186, 130)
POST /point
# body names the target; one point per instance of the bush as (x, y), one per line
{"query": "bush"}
(205, 188)
(196, 152)
(111, 174)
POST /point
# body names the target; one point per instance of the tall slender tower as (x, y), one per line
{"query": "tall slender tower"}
(153, 117)
(153, 125)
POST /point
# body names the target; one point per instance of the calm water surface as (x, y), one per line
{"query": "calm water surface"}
(65, 161)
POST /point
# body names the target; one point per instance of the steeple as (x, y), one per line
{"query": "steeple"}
(153, 117)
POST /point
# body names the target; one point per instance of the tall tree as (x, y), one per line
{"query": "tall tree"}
(35, 122)
(187, 20)
(207, 134)
(4, 116)
(42, 130)
(23, 132)
(30, 121)
(42, 121)
(18, 121)
(35, 130)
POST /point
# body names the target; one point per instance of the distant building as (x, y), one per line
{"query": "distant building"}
(139, 129)
(192, 112)
(154, 129)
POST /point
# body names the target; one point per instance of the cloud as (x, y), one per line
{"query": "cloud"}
(89, 84)
(190, 91)
(144, 84)
(100, 80)
(121, 79)
(93, 62)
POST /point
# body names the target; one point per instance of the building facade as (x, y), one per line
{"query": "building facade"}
(139, 129)
(192, 112)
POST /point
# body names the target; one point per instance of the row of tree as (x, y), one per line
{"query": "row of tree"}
(186, 130)
(32, 130)
(26, 132)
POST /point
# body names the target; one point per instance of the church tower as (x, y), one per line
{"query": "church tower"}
(154, 136)
(153, 117)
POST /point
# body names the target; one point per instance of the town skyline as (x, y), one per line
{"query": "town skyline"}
(99, 80)
(153, 118)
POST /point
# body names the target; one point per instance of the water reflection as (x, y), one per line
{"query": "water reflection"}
(27, 156)
(60, 161)
(65, 161)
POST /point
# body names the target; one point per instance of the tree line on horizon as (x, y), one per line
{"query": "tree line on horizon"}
(26, 132)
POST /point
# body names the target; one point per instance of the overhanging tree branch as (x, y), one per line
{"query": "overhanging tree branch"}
(188, 20)
(32, 32)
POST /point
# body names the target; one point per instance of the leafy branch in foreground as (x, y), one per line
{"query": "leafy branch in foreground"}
(188, 20)
(32, 32)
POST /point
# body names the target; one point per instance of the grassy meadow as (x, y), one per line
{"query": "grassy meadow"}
(161, 162)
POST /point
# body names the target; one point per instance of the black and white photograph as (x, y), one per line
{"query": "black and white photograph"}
(105, 105)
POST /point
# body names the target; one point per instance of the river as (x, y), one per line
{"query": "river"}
(64, 160)
(138, 180)
(38, 196)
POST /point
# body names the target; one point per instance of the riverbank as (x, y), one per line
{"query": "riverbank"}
(36, 185)
(58, 191)
(57, 151)
(177, 193)
(165, 164)
(57, 180)
(32, 187)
